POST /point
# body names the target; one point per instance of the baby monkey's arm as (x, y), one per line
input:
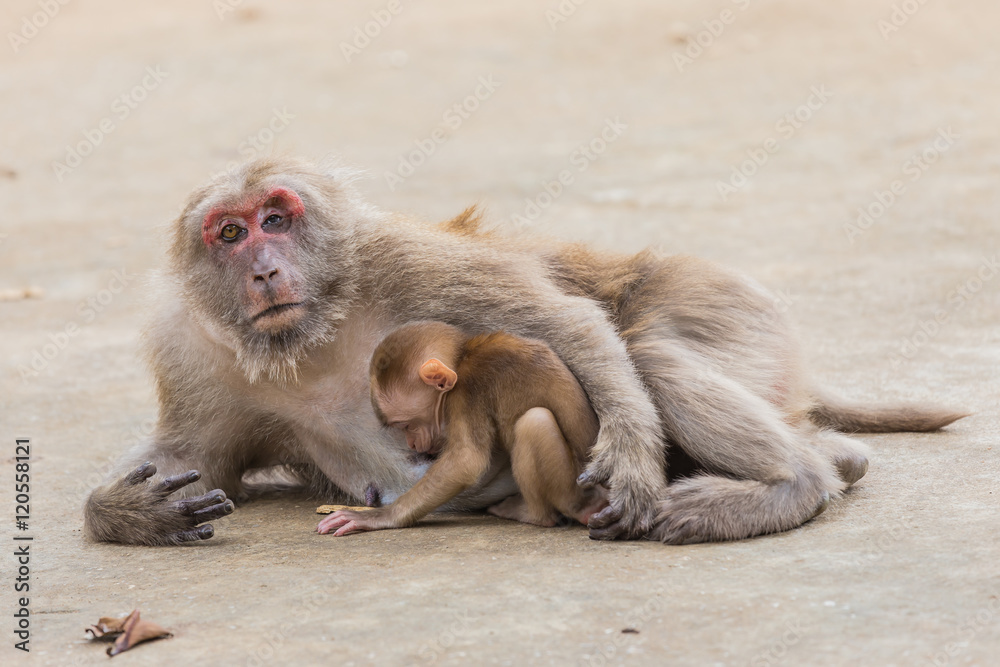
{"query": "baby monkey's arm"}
(463, 460)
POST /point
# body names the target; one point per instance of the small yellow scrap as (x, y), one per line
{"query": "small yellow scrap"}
(330, 509)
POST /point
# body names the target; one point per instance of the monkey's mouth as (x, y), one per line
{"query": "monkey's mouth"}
(275, 310)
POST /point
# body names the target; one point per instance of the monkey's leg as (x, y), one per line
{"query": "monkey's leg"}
(849, 456)
(136, 510)
(516, 509)
(774, 479)
(545, 471)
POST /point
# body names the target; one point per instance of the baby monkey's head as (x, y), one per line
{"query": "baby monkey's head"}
(412, 370)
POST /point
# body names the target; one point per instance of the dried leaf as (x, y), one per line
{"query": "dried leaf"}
(126, 632)
(330, 509)
(106, 629)
(136, 631)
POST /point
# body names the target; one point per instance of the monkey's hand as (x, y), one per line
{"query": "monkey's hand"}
(133, 510)
(345, 522)
(634, 494)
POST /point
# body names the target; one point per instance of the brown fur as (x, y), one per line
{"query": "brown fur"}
(467, 223)
(840, 415)
(232, 400)
(513, 397)
(673, 353)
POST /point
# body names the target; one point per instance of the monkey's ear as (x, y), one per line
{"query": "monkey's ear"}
(435, 373)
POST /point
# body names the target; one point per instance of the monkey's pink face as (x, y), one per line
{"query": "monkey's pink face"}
(254, 239)
(415, 414)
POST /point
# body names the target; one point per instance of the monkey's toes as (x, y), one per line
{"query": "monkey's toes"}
(194, 535)
(677, 532)
(140, 474)
(594, 475)
(171, 484)
(607, 525)
(606, 517)
(191, 506)
(214, 512)
(824, 502)
(852, 469)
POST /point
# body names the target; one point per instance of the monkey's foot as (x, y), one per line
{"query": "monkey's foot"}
(689, 513)
(824, 502)
(516, 509)
(711, 509)
(852, 469)
(136, 511)
(197, 510)
(680, 528)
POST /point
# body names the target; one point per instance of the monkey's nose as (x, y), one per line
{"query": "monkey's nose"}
(266, 276)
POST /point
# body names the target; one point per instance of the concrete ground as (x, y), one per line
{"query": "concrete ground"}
(843, 105)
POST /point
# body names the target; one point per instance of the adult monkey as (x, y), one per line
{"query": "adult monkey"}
(281, 282)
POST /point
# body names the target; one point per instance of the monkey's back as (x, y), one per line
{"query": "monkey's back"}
(508, 375)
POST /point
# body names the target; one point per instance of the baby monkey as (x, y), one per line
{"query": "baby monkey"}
(464, 400)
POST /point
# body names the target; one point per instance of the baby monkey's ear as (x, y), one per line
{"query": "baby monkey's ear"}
(435, 373)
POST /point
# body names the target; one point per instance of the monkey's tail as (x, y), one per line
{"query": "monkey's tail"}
(842, 415)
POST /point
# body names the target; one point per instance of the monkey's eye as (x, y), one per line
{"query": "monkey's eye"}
(231, 232)
(272, 219)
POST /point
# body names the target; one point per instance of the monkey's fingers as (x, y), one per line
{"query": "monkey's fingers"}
(331, 521)
(140, 474)
(171, 484)
(350, 527)
(607, 525)
(190, 506)
(195, 534)
(214, 512)
(593, 476)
